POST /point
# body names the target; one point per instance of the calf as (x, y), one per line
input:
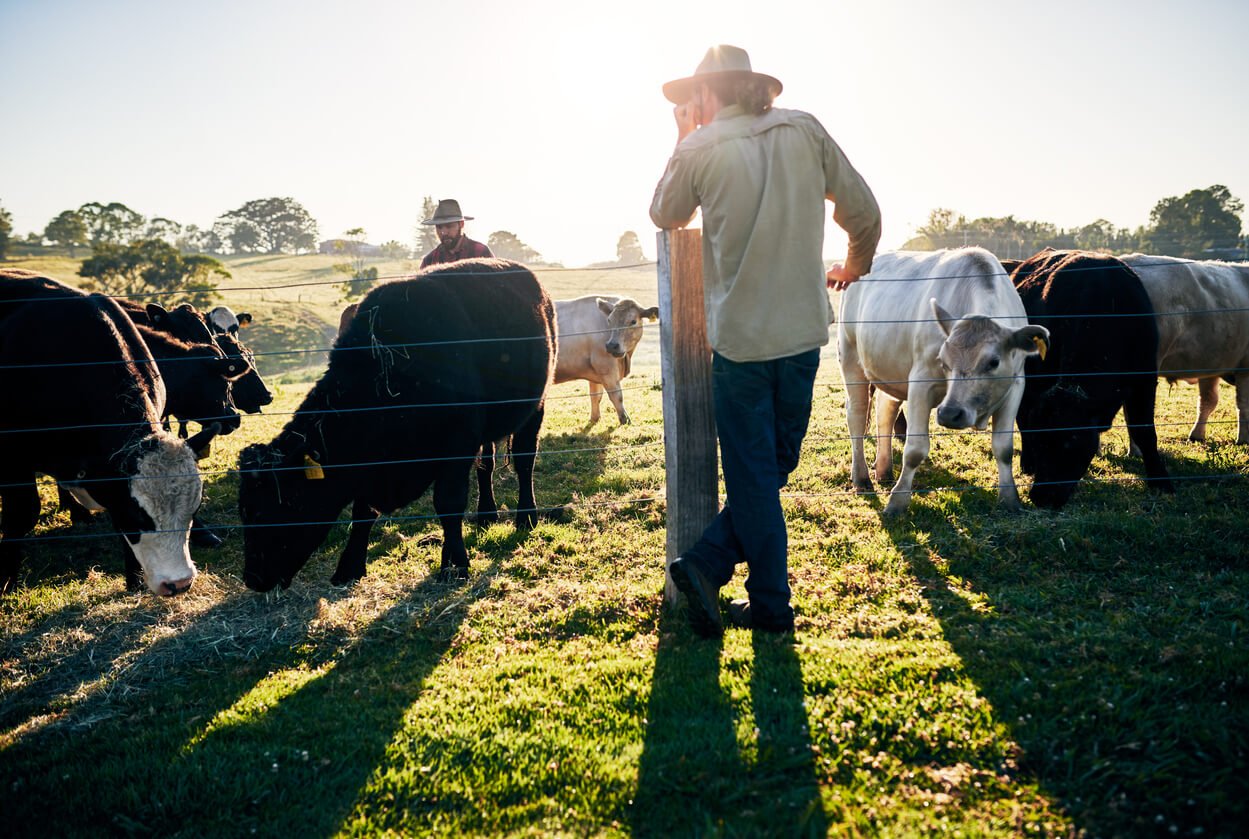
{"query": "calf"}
(223, 321)
(430, 369)
(1202, 310)
(597, 337)
(1105, 346)
(83, 401)
(942, 329)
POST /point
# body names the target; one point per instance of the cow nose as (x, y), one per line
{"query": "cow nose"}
(952, 416)
(172, 587)
(615, 350)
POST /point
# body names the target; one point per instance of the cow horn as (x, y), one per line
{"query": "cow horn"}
(199, 443)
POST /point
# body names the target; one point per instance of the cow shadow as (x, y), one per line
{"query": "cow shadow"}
(321, 704)
(1079, 696)
(693, 778)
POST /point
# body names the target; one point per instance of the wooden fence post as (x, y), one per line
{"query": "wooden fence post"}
(689, 419)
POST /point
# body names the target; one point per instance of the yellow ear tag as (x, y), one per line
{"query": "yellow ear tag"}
(312, 469)
(1040, 345)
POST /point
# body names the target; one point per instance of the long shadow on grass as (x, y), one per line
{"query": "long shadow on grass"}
(1126, 697)
(692, 778)
(279, 741)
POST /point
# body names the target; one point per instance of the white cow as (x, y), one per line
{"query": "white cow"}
(596, 336)
(1202, 310)
(941, 329)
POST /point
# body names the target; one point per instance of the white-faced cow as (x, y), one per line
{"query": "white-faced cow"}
(83, 400)
(1105, 346)
(222, 320)
(942, 330)
(429, 370)
(1202, 310)
(597, 337)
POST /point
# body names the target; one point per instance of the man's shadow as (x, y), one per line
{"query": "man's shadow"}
(693, 776)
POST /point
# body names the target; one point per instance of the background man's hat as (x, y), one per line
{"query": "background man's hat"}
(721, 61)
(448, 211)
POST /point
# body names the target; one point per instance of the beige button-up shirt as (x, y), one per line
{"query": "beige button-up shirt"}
(761, 182)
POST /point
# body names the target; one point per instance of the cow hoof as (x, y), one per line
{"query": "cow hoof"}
(454, 574)
(864, 487)
(894, 509)
(345, 578)
(486, 519)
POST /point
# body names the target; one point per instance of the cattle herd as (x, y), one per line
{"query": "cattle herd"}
(428, 373)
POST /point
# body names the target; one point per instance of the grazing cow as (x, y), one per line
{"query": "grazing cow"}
(223, 321)
(432, 368)
(597, 337)
(83, 401)
(1105, 346)
(1202, 309)
(942, 329)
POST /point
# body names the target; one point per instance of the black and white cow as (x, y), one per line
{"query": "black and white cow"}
(1202, 308)
(943, 330)
(83, 401)
(428, 370)
(222, 320)
(1105, 346)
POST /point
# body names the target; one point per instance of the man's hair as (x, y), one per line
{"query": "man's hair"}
(753, 95)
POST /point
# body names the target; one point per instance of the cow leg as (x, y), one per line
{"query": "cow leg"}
(524, 453)
(611, 383)
(1138, 412)
(450, 499)
(355, 553)
(1242, 407)
(487, 507)
(19, 510)
(857, 399)
(1004, 448)
(887, 409)
(202, 535)
(1207, 401)
(596, 396)
(915, 452)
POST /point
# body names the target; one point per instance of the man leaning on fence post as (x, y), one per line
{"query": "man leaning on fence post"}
(761, 176)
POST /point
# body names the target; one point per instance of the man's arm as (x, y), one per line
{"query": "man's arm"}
(855, 212)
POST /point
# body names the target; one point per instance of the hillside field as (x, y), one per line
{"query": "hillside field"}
(960, 671)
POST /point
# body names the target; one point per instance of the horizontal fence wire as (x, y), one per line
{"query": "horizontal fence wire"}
(429, 517)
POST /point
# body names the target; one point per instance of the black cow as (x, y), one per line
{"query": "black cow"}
(1102, 358)
(430, 369)
(83, 400)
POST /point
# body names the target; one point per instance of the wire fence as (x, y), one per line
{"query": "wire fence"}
(832, 386)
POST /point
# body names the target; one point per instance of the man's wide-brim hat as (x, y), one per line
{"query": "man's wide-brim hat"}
(448, 211)
(720, 62)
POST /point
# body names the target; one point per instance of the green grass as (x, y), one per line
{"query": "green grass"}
(958, 672)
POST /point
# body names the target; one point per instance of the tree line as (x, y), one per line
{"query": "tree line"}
(1201, 224)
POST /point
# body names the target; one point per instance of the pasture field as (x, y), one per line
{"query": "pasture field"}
(960, 671)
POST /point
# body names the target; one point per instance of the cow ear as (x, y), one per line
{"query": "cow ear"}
(1032, 339)
(156, 313)
(244, 318)
(652, 313)
(944, 319)
(604, 306)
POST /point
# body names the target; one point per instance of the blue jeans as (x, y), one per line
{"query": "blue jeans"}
(762, 410)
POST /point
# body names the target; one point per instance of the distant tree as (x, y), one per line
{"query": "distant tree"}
(507, 245)
(151, 267)
(362, 278)
(272, 225)
(167, 230)
(426, 235)
(114, 224)
(629, 249)
(68, 230)
(194, 240)
(1196, 224)
(395, 250)
(6, 232)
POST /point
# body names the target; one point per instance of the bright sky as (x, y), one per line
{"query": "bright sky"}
(545, 117)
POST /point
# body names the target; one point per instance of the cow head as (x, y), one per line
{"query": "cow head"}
(152, 503)
(223, 321)
(247, 390)
(1057, 443)
(184, 322)
(624, 324)
(287, 503)
(982, 361)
